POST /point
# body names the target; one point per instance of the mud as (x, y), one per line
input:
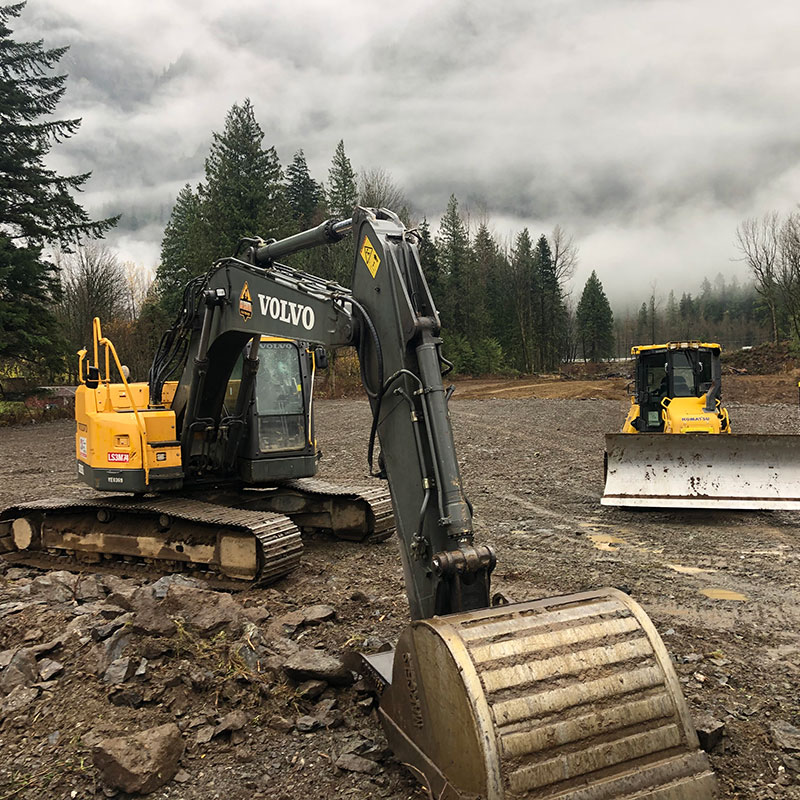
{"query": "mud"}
(532, 467)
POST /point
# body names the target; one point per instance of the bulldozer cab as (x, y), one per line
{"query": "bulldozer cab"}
(665, 372)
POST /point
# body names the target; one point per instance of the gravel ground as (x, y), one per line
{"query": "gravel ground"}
(533, 470)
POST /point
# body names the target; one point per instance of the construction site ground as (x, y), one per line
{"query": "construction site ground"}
(723, 589)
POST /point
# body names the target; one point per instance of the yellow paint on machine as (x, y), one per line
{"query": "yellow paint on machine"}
(370, 256)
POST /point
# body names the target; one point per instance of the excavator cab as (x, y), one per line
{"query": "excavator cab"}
(279, 441)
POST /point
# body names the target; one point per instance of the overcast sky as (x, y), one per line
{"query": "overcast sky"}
(647, 128)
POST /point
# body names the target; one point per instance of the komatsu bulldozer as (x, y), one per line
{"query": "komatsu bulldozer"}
(678, 387)
(564, 698)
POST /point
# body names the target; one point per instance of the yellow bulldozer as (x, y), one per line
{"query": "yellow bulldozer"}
(678, 390)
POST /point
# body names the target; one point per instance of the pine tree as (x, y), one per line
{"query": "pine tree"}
(523, 289)
(551, 322)
(304, 195)
(36, 203)
(595, 321)
(642, 324)
(429, 260)
(181, 258)
(453, 256)
(342, 189)
(243, 193)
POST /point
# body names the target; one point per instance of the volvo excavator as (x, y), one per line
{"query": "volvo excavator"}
(678, 388)
(563, 698)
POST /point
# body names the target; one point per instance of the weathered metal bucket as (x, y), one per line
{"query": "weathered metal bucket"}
(732, 471)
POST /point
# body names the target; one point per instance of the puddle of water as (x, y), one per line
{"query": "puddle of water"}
(723, 594)
(689, 570)
(594, 525)
(605, 541)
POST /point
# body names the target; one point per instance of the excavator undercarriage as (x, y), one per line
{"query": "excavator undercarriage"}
(230, 538)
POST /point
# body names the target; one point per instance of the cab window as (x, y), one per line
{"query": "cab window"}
(683, 375)
(279, 398)
(655, 374)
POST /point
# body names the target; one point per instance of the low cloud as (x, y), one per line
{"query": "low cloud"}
(647, 130)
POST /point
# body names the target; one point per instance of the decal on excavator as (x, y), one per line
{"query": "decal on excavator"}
(287, 311)
(370, 256)
(245, 303)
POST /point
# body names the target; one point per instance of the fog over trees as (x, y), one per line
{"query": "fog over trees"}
(505, 300)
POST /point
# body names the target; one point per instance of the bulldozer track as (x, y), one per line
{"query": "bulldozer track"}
(278, 545)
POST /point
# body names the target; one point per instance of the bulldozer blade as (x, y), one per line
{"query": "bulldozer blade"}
(571, 697)
(758, 472)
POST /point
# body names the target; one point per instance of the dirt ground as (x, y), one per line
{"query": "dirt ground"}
(532, 467)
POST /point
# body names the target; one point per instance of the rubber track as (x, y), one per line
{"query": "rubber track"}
(279, 542)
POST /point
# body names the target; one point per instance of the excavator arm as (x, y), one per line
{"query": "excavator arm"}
(388, 315)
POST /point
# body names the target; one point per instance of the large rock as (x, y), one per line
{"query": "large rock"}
(151, 617)
(140, 763)
(160, 587)
(203, 611)
(785, 735)
(57, 587)
(89, 587)
(17, 700)
(21, 671)
(316, 665)
(110, 649)
(119, 670)
(354, 763)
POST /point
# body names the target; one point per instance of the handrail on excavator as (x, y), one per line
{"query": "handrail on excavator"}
(98, 341)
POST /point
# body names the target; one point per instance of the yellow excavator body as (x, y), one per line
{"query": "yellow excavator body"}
(114, 430)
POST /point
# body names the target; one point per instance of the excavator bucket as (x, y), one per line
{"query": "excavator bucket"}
(728, 471)
(571, 697)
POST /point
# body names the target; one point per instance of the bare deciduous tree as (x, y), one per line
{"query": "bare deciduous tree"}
(758, 241)
(377, 189)
(93, 284)
(565, 254)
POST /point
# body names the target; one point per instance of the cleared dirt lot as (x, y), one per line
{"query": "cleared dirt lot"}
(532, 467)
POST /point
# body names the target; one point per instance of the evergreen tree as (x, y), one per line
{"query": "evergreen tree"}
(551, 312)
(672, 317)
(342, 189)
(453, 251)
(523, 289)
(429, 260)
(243, 193)
(180, 255)
(304, 195)
(642, 324)
(595, 321)
(36, 203)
